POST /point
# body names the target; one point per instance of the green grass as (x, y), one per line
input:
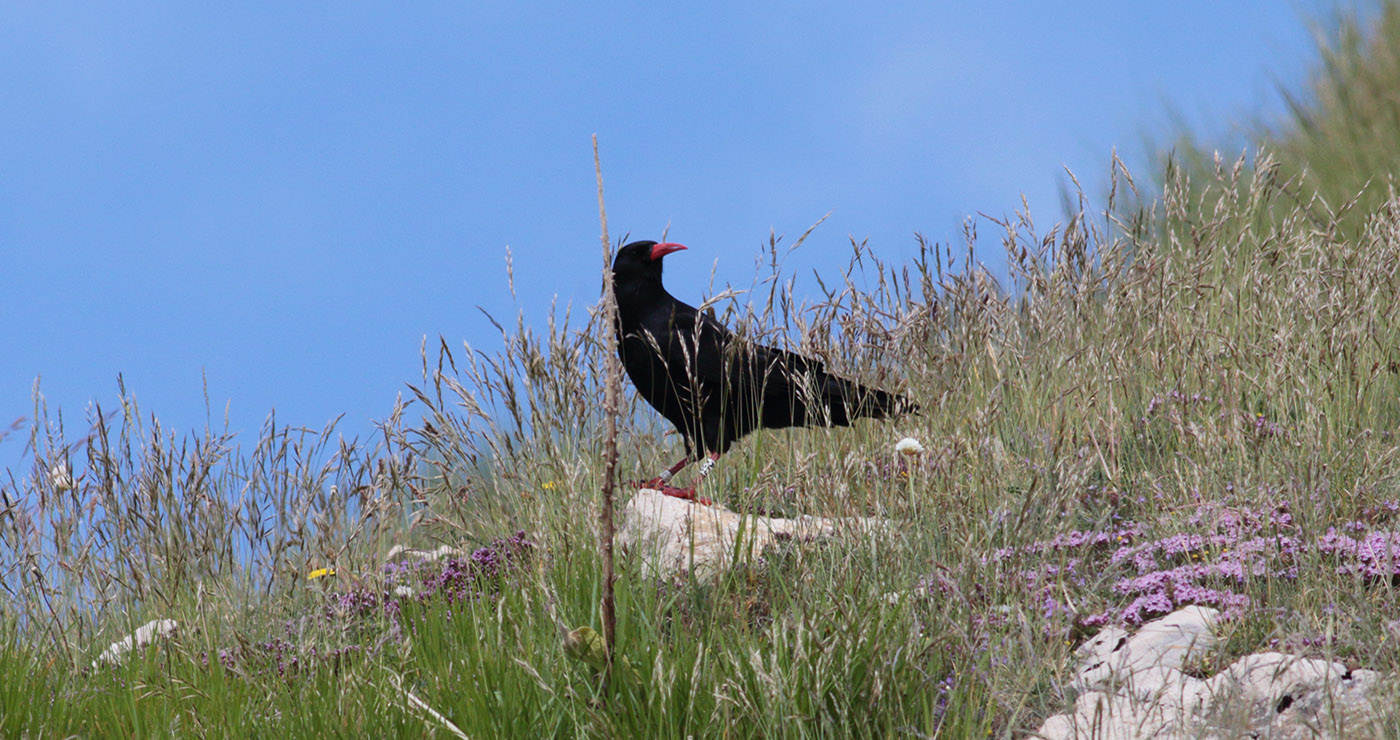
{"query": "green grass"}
(1333, 153)
(1230, 353)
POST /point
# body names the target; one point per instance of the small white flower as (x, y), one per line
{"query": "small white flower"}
(908, 446)
(60, 478)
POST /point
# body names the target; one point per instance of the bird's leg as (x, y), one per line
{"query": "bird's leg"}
(660, 481)
(707, 466)
(689, 493)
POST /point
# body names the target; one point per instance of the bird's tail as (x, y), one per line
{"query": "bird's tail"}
(849, 400)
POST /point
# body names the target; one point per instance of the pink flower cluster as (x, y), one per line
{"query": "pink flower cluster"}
(1226, 550)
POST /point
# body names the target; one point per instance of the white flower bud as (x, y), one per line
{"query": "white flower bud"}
(908, 446)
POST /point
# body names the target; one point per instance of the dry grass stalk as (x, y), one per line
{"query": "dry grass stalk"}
(612, 390)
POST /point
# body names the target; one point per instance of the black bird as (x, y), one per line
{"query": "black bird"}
(712, 385)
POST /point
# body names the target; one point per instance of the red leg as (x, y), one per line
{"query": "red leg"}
(665, 477)
(689, 493)
(709, 463)
(662, 482)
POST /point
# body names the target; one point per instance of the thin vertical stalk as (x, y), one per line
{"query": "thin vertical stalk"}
(612, 389)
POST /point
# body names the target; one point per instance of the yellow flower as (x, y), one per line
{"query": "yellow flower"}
(550, 485)
(320, 573)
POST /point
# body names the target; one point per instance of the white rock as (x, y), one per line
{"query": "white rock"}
(399, 552)
(674, 535)
(1103, 716)
(1133, 687)
(1285, 696)
(1150, 661)
(144, 635)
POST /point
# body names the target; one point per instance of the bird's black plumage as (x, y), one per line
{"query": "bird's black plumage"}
(714, 386)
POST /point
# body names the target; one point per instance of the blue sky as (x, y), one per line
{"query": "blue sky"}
(286, 198)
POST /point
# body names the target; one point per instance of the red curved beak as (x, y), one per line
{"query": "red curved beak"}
(664, 248)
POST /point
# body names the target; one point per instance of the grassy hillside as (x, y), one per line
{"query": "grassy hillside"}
(1192, 403)
(1336, 144)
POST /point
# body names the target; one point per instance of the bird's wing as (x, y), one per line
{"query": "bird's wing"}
(704, 357)
(713, 355)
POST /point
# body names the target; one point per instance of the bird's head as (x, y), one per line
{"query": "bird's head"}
(638, 265)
